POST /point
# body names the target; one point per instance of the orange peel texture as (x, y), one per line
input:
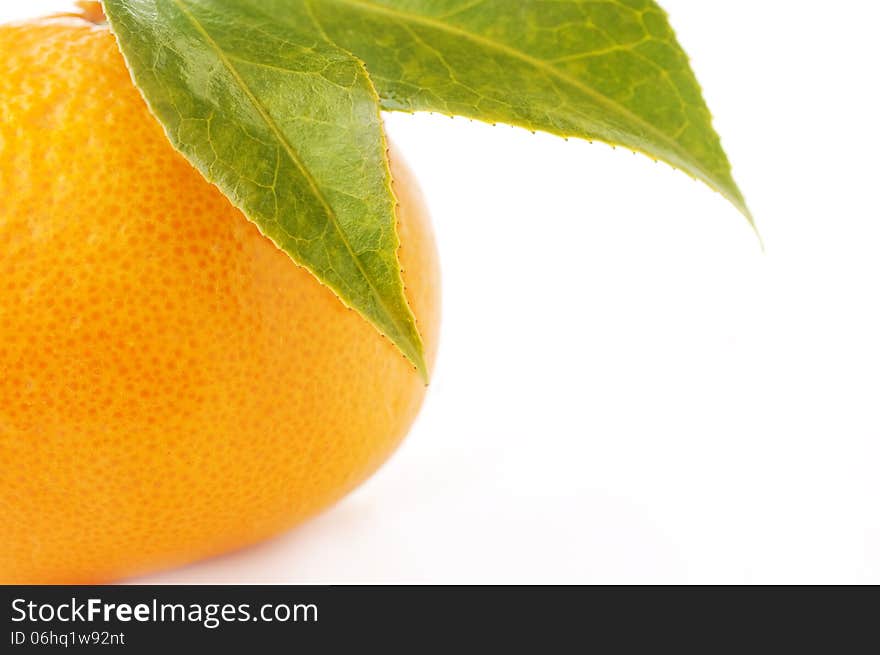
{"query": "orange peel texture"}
(172, 386)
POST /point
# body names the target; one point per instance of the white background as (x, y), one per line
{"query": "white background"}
(628, 389)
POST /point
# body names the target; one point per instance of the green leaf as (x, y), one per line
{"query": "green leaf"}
(610, 70)
(287, 125)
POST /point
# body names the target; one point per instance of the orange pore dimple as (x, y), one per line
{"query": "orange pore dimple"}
(172, 386)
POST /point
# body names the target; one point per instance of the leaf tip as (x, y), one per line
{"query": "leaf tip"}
(751, 219)
(422, 369)
(414, 352)
(736, 198)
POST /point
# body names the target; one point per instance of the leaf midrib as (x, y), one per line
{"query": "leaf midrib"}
(600, 97)
(294, 157)
(518, 54)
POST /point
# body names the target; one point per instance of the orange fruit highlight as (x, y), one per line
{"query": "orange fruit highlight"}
(172, 386)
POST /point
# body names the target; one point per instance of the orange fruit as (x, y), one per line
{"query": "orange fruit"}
(172, 385)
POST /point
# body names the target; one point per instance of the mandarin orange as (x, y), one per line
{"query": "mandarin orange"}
(172, 385)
